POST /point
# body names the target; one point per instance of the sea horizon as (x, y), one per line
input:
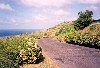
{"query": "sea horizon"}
(11, 32)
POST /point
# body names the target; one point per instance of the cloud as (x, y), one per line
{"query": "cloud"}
(45, 3)
(8, 21)
(35, 19)
(46, 13)
(5, 7)
(40, 18)
(61, 12)
(93, 8)
(57, 12)
(28, 20)
(55, 3)
(12, 20)
(89, 1)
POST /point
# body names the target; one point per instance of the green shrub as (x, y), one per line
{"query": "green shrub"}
(66, 29)
(85, 18)
(30, 55)
(84, 39)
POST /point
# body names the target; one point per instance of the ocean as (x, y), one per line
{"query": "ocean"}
(10, 32)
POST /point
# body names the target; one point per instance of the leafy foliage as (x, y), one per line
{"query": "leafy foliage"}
(84, 39)
(30, 55)
(88, 36)
(85, 18)
(67, 29)
(11, 47)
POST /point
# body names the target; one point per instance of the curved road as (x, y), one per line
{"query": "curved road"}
(70, 56)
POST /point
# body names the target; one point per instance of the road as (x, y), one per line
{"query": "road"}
(70, 56)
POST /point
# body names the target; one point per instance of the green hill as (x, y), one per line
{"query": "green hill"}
(90, 35)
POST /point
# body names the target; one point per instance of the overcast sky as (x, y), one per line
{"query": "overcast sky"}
(41, 14)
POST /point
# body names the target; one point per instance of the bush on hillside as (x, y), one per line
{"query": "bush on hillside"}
(83, 39)
(29, 55)
(69, 28)
(89, 36)
(85, 19)
(93, 29)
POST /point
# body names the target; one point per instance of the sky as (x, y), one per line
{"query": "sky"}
(43, 14)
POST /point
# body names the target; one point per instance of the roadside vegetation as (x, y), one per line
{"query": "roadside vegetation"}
(22, 51)
(18, 50)
(82, 32)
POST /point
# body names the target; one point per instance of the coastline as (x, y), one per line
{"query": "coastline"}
(13, 32)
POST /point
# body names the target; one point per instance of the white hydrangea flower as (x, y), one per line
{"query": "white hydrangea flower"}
(35, 45)
(29, 49)
(22, 52)
(29, 43)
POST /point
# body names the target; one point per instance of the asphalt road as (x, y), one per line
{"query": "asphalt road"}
(70, 56)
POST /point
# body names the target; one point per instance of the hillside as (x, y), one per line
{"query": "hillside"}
(89, 34)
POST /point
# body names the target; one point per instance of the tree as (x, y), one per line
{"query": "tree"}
(84, 20)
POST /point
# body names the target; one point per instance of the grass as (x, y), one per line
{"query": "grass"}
(93, 29)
